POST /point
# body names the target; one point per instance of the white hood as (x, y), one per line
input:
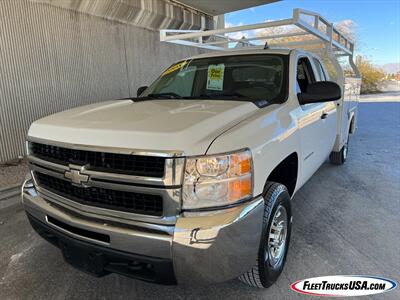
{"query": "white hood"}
(174, 125)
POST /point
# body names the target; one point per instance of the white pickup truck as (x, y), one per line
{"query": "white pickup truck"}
(191, 182)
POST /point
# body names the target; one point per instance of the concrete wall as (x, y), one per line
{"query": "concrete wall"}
(52, 59)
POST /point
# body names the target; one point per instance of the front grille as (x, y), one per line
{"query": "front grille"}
(138, 165)
(100, 197)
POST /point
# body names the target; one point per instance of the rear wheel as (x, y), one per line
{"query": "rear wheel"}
(275, 238)
(339, 158)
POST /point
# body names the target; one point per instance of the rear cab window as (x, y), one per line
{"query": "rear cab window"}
(305, 76)
(320, 70)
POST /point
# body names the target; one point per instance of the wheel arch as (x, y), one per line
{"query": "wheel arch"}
(286, 172)
(352, 124)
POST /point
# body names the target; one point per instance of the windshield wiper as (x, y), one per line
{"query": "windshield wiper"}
(220, 95)
(169, 95)
(172, 95)
(157, 96)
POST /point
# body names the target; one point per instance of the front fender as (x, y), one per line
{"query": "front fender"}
(271, 134)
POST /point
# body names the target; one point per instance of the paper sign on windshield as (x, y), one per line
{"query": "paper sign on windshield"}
(174, 68)
(215, 77)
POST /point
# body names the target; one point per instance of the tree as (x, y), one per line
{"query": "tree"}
(371, 76)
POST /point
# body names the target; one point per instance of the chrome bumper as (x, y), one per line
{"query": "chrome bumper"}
(205, 247)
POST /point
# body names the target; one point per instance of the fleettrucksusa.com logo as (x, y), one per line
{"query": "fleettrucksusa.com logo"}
(346, 285)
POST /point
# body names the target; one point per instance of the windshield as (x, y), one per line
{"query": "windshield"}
(240, 77)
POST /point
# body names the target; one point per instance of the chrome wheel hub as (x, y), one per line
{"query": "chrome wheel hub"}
(277, 236)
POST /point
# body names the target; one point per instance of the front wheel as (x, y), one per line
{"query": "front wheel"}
(275, 238)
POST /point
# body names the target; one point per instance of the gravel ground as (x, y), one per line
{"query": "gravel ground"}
(12, 174)
(390, 93)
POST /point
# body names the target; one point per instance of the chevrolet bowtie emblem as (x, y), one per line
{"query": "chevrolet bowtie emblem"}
(76, 177)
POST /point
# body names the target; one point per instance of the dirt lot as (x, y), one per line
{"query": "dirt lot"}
(346, 221)
(12, 174)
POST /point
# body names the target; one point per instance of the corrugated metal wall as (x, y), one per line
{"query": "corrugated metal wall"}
(150, 14)
(52, 59)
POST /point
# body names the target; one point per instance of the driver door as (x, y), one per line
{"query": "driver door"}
(316, 121)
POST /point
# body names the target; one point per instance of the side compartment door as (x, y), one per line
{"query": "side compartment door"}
(316, 121)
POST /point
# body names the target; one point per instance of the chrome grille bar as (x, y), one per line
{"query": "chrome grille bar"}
(168, 187)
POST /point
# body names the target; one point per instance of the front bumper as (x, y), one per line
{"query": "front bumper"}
(200, 248)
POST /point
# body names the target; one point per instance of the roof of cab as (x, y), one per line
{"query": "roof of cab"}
(230, 52)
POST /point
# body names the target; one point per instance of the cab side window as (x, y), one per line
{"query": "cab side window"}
(305, 74)
(320, 70)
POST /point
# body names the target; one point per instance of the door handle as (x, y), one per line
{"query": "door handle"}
(324, 116)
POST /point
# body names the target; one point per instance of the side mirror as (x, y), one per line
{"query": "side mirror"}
(320, 91)
(141, 90)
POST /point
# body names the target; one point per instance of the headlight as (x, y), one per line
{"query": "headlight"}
(217, 180)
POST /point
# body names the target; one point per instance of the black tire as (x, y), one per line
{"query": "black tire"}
(339, 158)
(263, 274)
